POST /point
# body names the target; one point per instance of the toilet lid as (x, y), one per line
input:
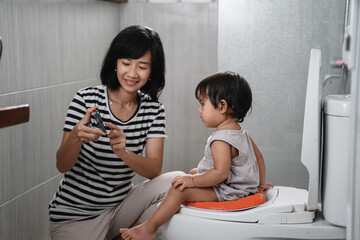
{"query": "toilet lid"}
(240, 204)
(311, 139)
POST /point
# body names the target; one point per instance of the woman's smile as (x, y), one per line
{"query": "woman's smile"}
(130, 82)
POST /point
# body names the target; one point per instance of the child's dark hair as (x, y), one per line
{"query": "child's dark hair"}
(133, 42)
(228, 86)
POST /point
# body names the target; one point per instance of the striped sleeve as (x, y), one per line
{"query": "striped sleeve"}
(157, 129)
(76, 112)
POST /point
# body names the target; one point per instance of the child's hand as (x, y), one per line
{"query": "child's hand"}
(183, 182)
(193, 171)
(266, 186)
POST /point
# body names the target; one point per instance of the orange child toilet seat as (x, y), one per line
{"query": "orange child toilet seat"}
(250, 201)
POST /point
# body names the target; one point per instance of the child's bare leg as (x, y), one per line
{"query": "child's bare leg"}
(168, 207)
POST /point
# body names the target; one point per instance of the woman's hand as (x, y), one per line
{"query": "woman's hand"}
(183, 182)
(117, 139)
(69, 150)
(83, 132)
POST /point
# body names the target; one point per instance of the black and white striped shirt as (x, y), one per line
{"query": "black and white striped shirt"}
(100, 180)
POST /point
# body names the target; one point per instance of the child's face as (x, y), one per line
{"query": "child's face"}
(210, 115)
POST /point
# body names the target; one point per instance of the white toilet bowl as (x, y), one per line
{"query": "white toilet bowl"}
(288, 212)
(283, 215)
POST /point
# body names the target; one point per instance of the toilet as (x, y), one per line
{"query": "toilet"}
(290, 213)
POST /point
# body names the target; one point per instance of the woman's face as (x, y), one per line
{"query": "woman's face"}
(133, 74)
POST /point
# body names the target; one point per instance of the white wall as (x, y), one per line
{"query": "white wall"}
(50, 50)
(269, 43)
(189, 35)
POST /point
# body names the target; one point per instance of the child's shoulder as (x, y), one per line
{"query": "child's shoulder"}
(228, 133)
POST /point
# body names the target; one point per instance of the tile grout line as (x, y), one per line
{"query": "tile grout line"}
(44, 87)
(29, 190)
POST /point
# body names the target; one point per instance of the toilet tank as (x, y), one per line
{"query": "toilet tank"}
(336, 158)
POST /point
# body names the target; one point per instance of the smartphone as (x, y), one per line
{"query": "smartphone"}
(99, 122)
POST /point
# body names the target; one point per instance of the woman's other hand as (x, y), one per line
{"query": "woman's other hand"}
(68, 152)
(117, 139)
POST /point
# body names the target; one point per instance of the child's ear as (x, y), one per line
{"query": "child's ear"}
(223, 106)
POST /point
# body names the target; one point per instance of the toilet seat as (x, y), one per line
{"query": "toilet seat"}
(241, 204)
(283, 205)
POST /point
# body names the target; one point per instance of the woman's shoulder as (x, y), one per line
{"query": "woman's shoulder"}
(92, 95)
(148, 101)
(99, 89)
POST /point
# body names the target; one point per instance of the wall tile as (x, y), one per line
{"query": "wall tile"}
(30, 148)
(53, 42)
(51, 49)
(189, 36)
(26, 216)
(269, 44)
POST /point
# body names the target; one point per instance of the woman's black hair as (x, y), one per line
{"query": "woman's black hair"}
(133, 42)
(228, 86)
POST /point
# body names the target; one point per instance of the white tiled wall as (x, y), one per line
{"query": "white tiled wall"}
(50, 50)
(269, 43)
(189, 35)
(53, 48)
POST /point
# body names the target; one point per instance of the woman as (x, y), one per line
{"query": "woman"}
(96, 198)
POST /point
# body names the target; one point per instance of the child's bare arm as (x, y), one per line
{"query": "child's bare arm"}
(193, 171)
(221, 153)
(262, 169)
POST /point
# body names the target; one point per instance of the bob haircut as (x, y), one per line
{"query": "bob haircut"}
(133, 42)
(228, 86)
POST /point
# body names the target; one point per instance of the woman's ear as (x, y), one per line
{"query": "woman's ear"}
(223, 106)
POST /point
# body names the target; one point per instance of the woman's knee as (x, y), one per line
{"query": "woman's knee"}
(166, 178)
(161, 184)
(171, 175)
